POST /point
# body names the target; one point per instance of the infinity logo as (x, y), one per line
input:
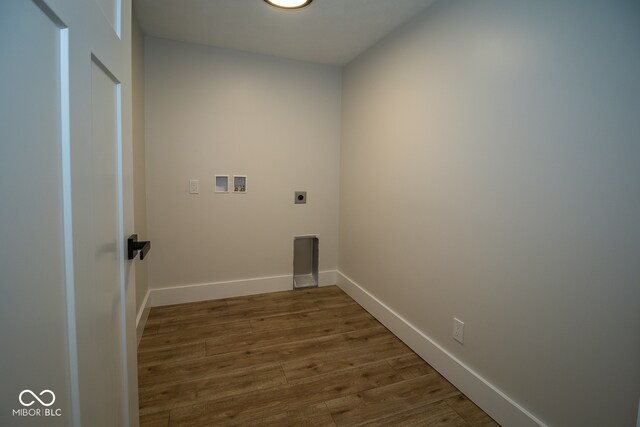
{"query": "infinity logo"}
(31, 402)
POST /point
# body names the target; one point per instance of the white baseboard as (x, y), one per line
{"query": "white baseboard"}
(234, 288)
(493, 401)
(143, 314)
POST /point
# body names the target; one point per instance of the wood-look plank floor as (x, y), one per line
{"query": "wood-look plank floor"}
(311, 357)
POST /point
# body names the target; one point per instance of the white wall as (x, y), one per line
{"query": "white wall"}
(490, 171)
(214, 111)
(139, 184)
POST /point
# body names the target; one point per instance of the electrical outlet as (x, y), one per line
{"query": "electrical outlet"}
(194, 186)
(458, 330)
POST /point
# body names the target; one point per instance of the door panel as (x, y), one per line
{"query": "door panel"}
(32, 253)
(106, 313)
(67, 310)
(103, 296)
(110, 9)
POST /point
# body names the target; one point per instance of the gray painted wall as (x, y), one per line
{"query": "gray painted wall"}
(490, 171)
(213, 111)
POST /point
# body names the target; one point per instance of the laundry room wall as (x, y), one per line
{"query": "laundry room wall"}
(212, 111)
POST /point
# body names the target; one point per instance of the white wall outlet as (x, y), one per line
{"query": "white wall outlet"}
(194, 186)
(458, 330)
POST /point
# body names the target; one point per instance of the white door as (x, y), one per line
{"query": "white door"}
(67, 328)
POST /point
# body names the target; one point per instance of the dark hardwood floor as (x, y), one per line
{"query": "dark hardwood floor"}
(311, 357)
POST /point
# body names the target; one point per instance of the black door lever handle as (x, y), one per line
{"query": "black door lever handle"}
(133, 246)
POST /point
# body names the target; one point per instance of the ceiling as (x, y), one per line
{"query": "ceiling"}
(328, 31)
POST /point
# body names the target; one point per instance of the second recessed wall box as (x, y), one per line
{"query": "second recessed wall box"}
(239, 184)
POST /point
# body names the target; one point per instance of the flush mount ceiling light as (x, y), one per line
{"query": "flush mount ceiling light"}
(289, 4)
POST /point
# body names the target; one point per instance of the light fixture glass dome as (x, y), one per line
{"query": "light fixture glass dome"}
(289, 4)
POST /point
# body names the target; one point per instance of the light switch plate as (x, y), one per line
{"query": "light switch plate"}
(194, 186)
